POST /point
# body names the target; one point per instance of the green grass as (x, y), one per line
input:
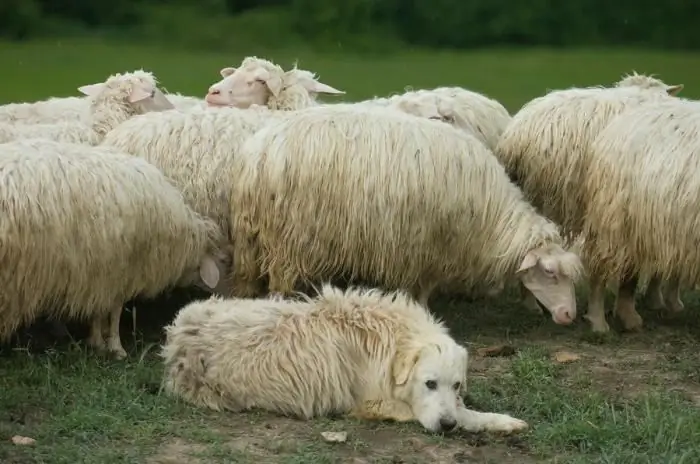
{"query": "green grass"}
(631, 398)
(57, 67)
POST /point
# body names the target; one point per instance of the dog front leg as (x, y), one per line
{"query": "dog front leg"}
(383, 410)
(474, 421)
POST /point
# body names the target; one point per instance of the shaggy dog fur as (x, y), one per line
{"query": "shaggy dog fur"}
(372, 355)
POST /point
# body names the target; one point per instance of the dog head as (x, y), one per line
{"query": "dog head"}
(430, 377)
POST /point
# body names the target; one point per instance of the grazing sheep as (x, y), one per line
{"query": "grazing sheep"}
(62, 109)
(644, 161)
(194, 150)
(85, 229)
(112, 102)
(483, 117)
(389, 198)
(544, 148)
(360, 352)
(259, 82)
(49, 111)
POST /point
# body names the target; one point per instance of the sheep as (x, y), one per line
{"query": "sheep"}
(483, 117)
(62, 109)
(260, 82)
(87, 228)
(112, 102)
(362, 352)
(49, 111)
(544, 148)
(194, 150)
(391, 198)
(645, 160)
(185, 102)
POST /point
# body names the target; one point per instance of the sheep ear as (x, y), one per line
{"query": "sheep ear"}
(139, 93)
(319, 87)
(529, 262)
(272, 83)
(674, 89)
(91, 89)
(209, 272)
(225, 72)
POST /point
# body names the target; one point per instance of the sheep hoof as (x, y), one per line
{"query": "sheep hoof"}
(598, 325)
(118, 354)
(633, 323)
(676, 307)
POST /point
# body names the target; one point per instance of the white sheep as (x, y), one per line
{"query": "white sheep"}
(644, 161)
(85, 229)
(62, 109)
(390, 198)
(260, 82)
(185, 102)
(544, 148)
(483, 117)
(49, 111)
(112, 102)
(194, 150)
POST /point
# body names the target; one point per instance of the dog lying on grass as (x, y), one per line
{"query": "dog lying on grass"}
(373, 355)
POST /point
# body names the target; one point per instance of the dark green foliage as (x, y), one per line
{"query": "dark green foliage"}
(433, 23)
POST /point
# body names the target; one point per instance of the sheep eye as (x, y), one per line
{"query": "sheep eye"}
(431, 384)
(457, 385)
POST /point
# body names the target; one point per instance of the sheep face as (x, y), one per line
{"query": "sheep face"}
(244, 87)
(550, 274)
(137, 89)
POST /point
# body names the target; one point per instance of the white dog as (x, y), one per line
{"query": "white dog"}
(372, 355)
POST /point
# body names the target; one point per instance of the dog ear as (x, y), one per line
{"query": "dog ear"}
(404, 362)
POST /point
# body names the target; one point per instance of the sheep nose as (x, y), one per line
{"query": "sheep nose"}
(447, 425)
(214, 91)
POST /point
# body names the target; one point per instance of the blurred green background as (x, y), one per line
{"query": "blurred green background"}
(512, 51)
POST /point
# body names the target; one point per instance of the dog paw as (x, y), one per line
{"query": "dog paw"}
(506, 424)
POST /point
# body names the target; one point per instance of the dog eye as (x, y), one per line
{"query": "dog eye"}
(431, 384)
(457, 385)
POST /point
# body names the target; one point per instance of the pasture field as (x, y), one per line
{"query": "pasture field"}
(621, 398)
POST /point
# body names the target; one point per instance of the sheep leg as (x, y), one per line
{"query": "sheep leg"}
(672, 295)
(114, 343)
(529, 300)
(278, 284)
(474, 421)
(654, 298)
(624, 306)
(596, 307)
(96, 339)
(383, 410)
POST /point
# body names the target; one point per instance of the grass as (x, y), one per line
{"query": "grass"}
(630, 398)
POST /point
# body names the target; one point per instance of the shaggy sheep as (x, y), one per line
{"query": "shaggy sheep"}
(483, 117)
(259, 82)
(86, 228)
(360, 352)
(49, 111)
(645, 160)
(112, 102)
(390, 198)
(63, 109)
(185, 102)
(194, 150)
(544, 148)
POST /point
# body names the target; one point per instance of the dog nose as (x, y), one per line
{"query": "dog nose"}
(447, 424)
